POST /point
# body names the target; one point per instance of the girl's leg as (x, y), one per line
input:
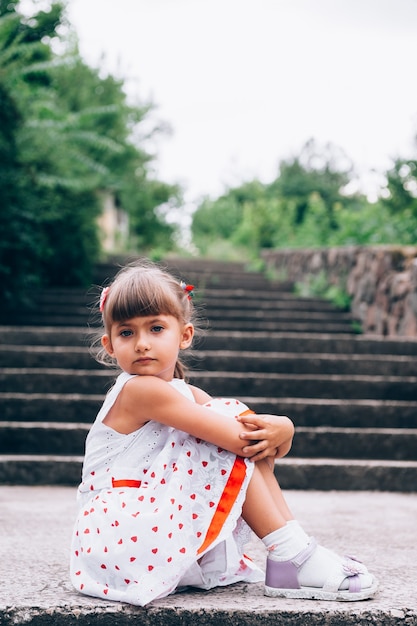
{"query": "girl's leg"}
(267, 513)
(265, 508)
(275, 490)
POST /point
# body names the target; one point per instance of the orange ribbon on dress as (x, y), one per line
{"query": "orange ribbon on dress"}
(226, 502)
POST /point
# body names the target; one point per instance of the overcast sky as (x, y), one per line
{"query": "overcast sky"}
(245, 83)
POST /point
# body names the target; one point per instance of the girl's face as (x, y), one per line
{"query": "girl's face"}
(148, 346)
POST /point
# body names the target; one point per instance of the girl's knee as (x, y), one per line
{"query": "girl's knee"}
(266, 464)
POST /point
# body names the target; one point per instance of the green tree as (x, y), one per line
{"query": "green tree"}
(148, 206)
(214, 220)
(67, 134)
(261, 220)
(402, 187)
(304, 206)
(323, 171)
(108, 126)
(20, 247)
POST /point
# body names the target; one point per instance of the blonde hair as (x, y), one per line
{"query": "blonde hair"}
(143, 289)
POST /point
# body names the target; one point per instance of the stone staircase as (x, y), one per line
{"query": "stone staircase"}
(352, 398)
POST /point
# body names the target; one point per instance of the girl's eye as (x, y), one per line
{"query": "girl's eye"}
(125, 333)
(157, 329)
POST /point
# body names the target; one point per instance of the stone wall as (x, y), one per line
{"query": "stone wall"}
(381, 280)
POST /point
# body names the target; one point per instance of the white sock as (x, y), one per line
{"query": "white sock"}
(295, 524)
(283, 544)
(286, 542)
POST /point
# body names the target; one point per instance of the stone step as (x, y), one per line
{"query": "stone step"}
(350, 396)
(200, 264)
(231, 311)
(205, 275)
(302, 325)
(234, 314)
(40, 438)
(355, 443)
(226, 281)
(204, 265)
(65, 357)
(33, 469)
(51, 407)
(306, 342)
(320, 474)
(218, 340)
(307, 385)
(39, 591)
(279, 301)
(269, 299)
(340, 474)
(32, 380)
(44, 336)
(283, 326)
(340, 412)
(62, 298)
(344, 443)
(239, 361)
(343, 413)
(302, 363)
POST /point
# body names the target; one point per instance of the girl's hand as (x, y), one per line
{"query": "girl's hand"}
(271, 435)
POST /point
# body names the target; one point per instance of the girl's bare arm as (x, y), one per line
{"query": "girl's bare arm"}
(145, 398)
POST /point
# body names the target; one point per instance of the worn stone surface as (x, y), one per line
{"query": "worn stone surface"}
(36, 525)
(382, 281)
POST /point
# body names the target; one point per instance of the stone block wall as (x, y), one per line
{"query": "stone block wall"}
(381, 280)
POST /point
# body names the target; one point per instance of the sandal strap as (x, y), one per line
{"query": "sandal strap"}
(284, 574)
(305, 554)
(349, 569)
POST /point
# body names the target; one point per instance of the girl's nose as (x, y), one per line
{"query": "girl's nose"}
(142, 344)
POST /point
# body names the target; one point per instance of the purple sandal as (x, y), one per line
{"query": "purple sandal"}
(282, 579)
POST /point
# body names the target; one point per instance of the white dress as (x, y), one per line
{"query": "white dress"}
(158, 510)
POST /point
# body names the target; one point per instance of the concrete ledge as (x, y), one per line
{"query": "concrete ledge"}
(36, 525)
(211, 611)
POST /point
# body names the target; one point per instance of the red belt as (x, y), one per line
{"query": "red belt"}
(125, 483)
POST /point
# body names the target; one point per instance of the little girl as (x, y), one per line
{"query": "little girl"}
(174, 480)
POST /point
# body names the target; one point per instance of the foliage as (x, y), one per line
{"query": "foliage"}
(20, 248)
(318, 285)
(320, 171)
(300, 207)
(308, 205)
(400, 199)
(215, 220)
(148, 202)
(66, 135)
